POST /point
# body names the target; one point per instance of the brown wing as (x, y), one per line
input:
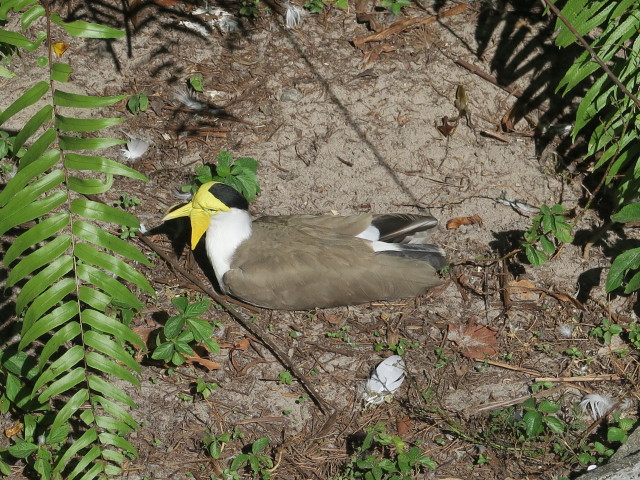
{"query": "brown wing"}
(343, 225)
(288, 268)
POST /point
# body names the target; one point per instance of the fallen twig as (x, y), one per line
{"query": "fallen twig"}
(401, 25)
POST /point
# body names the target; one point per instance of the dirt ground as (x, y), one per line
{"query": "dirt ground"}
(341, 129)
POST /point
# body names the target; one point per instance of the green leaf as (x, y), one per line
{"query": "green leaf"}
(197, 308)
(53, 320)
(547, 245)
(93, 256)
(61, 365)
(97, 469)
(60, 72)
(5, 73)
(39, 208)
(535, 256)
(70, 124)
(548, 407)
(31, 192)
(109, 325)
(84, 29)
(200, 328)
(48, 276)
(259, 445)
(27, 18)
(22, 450)
(29, 97)
(89, 186)
(117, 441)
(532, 423)
(181, 303)
(115, 411)
(87, 438)
(48, 299)
(93, 298)
(26, 174)
(19, 40)
(101, 164)
(109, 285)
(64, 384)
(84, 462)
(627, 214)
(105, 213)
(174, 326)
(67, 333)
(74, 100)
(629, 260)
(38, 259)
(109, 390)
(164, 351)
(101, 238)
(633, 285)
(36, 152)
(71, 406)
(615, 434)
(41, 117)
(76, 143)
(104, 365)
(105, 345)
(36, 234)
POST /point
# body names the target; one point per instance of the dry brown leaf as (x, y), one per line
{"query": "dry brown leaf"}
(459, 221)
(476, 342)
(448, 126)
(11, 431)
(524, 289)
(205, 362)
(242, 344)
(59, 48)
(144, 333)
(403, 425)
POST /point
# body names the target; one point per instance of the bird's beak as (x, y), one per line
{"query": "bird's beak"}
(199, 210)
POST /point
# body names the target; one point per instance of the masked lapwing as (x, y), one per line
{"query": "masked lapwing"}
(301, 262)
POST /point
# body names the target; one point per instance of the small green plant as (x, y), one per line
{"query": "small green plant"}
(483, 459)
(394, 6)
(550, 222)
(574, 352)
(250, 8)
(214, 444)
(6, 145)
(205, 388)
(127, 232)
(256, 461)
(634, 334)
(383, 456)
(443, 359)
(127, 201)
(314, 6)
(343, 335)
(137, 103)
(285, 378)
(301, 399)
(182, 329)
(197, 82)
(397, 348)
(238, 173)
(606, 330)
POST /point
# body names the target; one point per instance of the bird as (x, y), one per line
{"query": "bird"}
(304, 262)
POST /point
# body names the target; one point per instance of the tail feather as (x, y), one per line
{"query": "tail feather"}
(404, 228)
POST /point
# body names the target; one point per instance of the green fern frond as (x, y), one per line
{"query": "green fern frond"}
(71, 275)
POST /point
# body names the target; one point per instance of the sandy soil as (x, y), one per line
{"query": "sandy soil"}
(337, 130)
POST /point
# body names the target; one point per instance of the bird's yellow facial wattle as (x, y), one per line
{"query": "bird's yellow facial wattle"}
(199, 210)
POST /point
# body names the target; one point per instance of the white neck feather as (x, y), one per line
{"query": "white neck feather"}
(226, 232)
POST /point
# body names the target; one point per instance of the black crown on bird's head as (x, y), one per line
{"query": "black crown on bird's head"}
(229, 196)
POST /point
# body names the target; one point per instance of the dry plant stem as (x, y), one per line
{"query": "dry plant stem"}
(513, 401)
(489, 78)
(255, 330)
(401, 25)
(587, 378)
(595, 424)
(592, 52)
